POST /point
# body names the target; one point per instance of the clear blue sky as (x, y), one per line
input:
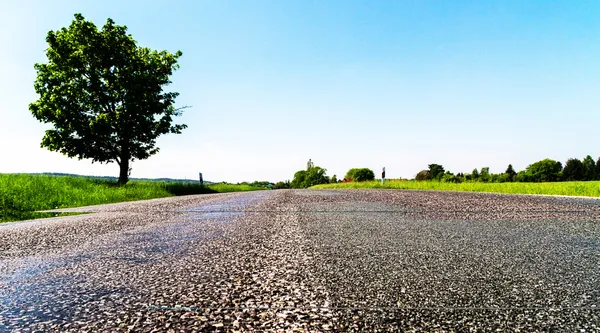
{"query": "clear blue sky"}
(399, 84)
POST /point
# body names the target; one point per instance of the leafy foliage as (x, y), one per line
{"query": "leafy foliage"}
(261, 184)
(104, 94)
(281, 185)
(475, 174)
(510, 172)
(573, 170)
(449, 177)
(360, 174)
(546, 170)
(500, 178)
(315, 175)
(423, 175)
(484, 175)
(589, 168)
(436, 171)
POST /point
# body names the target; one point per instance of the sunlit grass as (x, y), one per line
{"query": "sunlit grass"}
(587, 189)
(21, 195)
(222, 187)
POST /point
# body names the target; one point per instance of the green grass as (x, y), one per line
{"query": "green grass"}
(21, 195)
(587, 189)
(222, 188)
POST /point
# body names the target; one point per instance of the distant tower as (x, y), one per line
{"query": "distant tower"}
(309, 165)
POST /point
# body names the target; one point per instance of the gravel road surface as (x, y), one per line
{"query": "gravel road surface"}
(309, 260)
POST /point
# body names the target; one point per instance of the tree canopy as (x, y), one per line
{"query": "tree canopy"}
(314, 175)
(589, 168)
(104, 94)
(360, 174)
(423, 175)
(573, 170)
(475, 174)
(546, 170)
(510, 172)
(436, 171)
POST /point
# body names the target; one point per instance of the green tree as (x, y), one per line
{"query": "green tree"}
(546, 170)
(315, 175)
(333, 179)
(104, 95)
(475, 174)
(299, 179)
(436, 171)
(360, 174)
(261, 184)
(449, 177)
(598, 169)
(423, 175)
(573, 170)
(281, 185)
(510, 172)
(589, 168)
(484, 175)
(500, 178)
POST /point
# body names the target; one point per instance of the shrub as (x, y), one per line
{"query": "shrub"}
(423, 175)
(501, 178)
(281, 185)
(448, 177)
(360, 174)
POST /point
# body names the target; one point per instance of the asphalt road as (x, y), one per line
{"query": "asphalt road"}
(308, 260)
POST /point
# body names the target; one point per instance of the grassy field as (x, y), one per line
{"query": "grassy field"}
(588, 189)
(23, 194)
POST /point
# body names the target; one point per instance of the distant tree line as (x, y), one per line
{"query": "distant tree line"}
(267, 185)
(315, 175)
(546, 170)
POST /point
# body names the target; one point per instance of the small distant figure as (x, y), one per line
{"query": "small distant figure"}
(201, 179)
(309, 165)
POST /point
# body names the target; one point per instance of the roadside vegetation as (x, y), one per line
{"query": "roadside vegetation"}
(546, 170)
(575, 188)
(576, 178)
(315, 175)
(359, 175)
(21, 195)
(104, 95)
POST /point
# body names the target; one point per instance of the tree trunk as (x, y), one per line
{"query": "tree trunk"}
(124, 172)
